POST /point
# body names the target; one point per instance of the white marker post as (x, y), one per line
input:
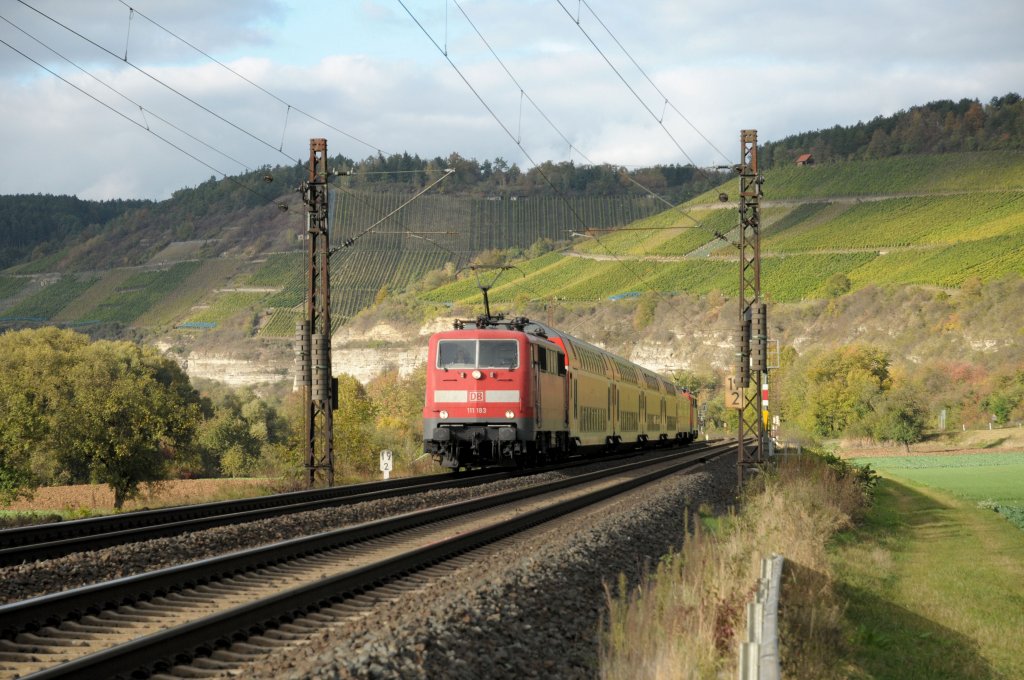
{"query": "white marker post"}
(386, 462)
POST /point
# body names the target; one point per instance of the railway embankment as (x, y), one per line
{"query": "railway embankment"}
(689, 616)
(921, 582)
(526, 606)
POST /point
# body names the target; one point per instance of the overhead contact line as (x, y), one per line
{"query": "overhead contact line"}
(639, 68)
(162, 83)
(289, 105)
(519, 144)
(659, 120)
(140, 125)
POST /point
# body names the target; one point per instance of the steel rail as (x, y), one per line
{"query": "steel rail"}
(40, 611)
(57, 539)
(172, 645)
(162, 650)
(55, 531)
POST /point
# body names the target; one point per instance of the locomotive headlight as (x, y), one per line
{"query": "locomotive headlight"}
(510, 414)
(443, 414)
(477, 375)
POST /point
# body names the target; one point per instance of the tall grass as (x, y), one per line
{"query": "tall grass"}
(683, 621)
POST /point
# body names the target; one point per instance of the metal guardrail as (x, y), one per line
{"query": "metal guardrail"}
(759, 654)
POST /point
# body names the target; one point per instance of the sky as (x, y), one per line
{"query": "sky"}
(138, 113)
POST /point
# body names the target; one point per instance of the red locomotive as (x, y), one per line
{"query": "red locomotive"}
(520, 393)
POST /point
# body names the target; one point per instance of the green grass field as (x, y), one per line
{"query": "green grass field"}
(996, 480)
(933, 584)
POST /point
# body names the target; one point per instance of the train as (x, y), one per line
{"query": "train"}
(520, 393)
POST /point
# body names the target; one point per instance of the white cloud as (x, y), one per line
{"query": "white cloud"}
(367, 69)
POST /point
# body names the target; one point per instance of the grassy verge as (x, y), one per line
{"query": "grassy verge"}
(686, 620)
(934, 587)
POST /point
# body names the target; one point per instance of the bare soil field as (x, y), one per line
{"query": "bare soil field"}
(98, 498)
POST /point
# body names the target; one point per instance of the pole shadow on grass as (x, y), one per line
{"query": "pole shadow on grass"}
(891, 641)
(887, 640)
(868, 636)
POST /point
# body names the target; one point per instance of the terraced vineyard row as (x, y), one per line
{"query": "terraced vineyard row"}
(357, 275)
(10, 286)
(140, 292)
(414, 264)
(481, 224)
(282, 323)
(785, 279)
(209, 276)
(987, 259)
(907, 221)
(226, 305)
(45, 304)
(982, 171)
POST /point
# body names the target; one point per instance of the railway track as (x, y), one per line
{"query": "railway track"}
(156, 621)
(31, 543)
(57, 539)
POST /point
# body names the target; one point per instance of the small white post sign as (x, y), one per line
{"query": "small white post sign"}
(386, 462)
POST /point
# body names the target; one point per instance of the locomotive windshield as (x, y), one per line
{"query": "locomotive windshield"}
(477, 354)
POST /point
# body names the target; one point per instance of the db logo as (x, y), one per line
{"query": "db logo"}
(476, 396)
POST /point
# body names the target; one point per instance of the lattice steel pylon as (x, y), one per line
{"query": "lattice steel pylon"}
(315, 331)
(752, 329)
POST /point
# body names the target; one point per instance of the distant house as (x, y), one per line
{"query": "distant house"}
(805, 159)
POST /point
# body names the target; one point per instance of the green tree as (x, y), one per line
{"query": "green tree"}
(354, 428)
(398, 405)
(1004, 400)
(646, 307)
(842, 385)
(898, 417)
(238, 436)
(837, 284)
(696, 383)
(33, 366)
(128, 415)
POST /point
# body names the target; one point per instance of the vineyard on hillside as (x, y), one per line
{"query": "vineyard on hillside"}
(45, 304)
(925, 174)
(933, 220)
(140, 292)
(10, 286)
(225, 306)
(209, 276)
(898, 222)
(784, 279)
(424, 236)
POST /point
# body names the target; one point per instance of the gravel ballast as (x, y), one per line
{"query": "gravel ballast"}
(32, 579)
(530, 607)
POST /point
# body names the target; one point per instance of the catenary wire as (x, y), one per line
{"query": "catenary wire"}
(270, 94)
(522, 90)
(136, 123)
(656, 88)
(629, 87)
(162, 83)
(519, 144)
(128, 99)
(622, 171)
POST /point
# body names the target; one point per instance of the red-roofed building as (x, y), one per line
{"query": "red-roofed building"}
(805, 159)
